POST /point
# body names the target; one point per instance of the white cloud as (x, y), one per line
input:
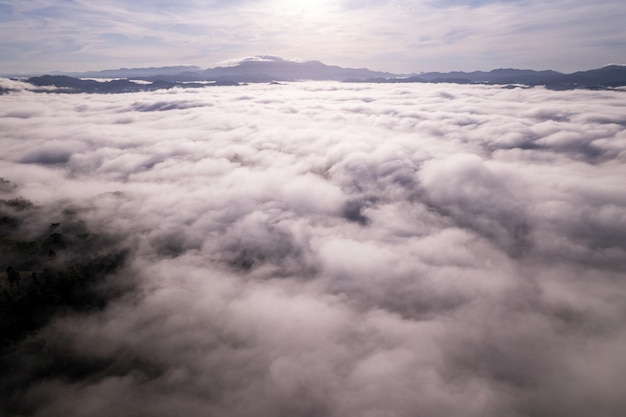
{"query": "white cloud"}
(337, 249)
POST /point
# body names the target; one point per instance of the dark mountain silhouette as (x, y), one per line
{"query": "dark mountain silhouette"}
(497, 76)
(78, 85)
(282, 70)
(133, 73)
(607, 77)
(275, 69)
(269, 69)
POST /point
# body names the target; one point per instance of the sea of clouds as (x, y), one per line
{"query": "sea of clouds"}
(338, 250)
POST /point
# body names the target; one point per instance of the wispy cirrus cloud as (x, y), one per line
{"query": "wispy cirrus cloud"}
(401, 36)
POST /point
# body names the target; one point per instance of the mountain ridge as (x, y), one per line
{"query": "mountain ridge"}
(267, 68)
(276, 69)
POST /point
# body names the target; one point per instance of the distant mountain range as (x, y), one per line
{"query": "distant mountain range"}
(68, 84)
(276, 69)
(250, 70)
(607, 77)
(132, 73)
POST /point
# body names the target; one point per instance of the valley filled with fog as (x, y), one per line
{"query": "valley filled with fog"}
(328, 249)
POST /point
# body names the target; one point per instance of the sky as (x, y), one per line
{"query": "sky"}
(322, 249)
(399, 36)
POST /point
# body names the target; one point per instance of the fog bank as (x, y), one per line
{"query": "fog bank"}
(327, 249)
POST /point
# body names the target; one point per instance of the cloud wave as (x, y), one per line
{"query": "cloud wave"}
(334, 249)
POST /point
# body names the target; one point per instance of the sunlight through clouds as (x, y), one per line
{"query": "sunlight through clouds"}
(307, 9)
(393, 36)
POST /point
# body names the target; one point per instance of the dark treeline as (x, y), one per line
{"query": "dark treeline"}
(67, 84)
(53, 266)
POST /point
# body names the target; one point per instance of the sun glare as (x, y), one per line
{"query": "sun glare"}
(303, 8)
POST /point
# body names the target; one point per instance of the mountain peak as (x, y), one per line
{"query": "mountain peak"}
(258, 58)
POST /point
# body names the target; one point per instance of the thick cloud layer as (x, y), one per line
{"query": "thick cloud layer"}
(323, 249)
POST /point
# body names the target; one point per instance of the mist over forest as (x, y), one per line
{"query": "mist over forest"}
(313, 249)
